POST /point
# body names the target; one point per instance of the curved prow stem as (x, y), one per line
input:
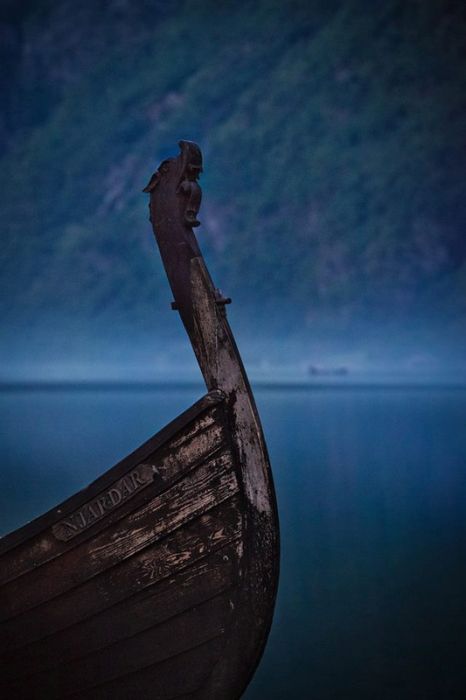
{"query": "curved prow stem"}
(175, 198)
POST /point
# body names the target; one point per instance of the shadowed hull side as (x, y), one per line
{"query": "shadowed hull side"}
(144, 601)
(150, 586)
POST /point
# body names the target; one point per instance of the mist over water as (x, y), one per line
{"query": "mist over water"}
(159, 351)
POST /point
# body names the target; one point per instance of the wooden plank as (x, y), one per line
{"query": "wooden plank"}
(202, 489)
(171, 638)
(163, 469)
(202, 581)
(175, 553)
(13, 539)
(201, 439)
(167, 680)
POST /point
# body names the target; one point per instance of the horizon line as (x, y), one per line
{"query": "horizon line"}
(169, 384)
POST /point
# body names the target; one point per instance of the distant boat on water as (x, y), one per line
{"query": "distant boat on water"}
(316, 371)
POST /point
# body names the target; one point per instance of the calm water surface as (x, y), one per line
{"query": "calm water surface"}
(371, 486)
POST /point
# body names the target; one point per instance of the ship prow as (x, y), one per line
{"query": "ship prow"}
(159, 579)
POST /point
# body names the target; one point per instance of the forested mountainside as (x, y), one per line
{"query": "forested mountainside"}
(333, 133)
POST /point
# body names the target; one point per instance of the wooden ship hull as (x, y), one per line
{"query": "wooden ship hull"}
(159, 579)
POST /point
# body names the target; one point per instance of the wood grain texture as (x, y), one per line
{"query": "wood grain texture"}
(202, 489)
(29, 530)
(206, 578)
(171, 459)
(175, 636)
(167, 680)
(173, 554)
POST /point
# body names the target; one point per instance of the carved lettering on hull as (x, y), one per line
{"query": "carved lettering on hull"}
(121, 491)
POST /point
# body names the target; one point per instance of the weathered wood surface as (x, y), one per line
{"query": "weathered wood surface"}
(158, 580)
(37, 538)
(203, 579)
(178, 552)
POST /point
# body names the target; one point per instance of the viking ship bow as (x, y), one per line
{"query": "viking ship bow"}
(159, 579)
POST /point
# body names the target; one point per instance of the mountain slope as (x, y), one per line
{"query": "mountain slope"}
(333, 135)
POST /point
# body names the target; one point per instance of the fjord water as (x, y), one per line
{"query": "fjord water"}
(371, 485)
